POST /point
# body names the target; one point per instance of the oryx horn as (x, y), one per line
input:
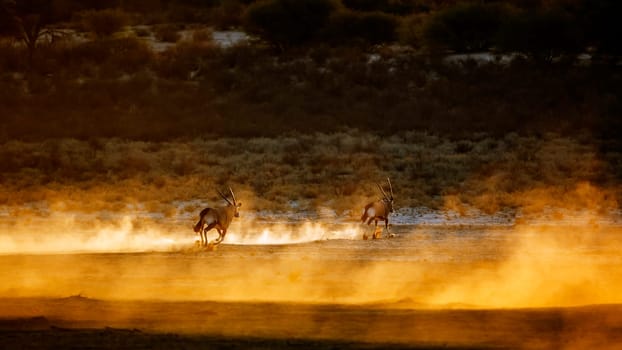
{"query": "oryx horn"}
(224, 197)
(390, 187)
(232, 196)
(383, 192)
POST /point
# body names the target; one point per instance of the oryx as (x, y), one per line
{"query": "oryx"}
(379, 211)
(218, 218)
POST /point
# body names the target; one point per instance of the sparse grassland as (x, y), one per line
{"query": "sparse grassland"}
(118, 119)
(310, 171)
(119, 87)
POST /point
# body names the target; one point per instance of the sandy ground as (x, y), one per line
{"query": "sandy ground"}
(86, 323)
(467, 287)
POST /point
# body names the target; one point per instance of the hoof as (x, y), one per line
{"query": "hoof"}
(197, 243)
(364, 237)
(210, 247)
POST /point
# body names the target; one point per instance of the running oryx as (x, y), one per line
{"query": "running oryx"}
(379, 211)
(218, 218)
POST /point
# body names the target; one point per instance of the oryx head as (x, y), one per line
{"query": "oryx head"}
(236, 206)
(388, 199)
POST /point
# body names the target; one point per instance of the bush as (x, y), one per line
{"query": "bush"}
(465, 27)
(183, 58)
(204, 35)
(104, 23)
(130, 54)
(541, 35)
(288, 22)
(603, 28)
(12, 57)
(228, 14)
(180, 13)
(411, 30)
(167, 33)
(125, 54)
(142, 32)
(398, 7)
(351, 27)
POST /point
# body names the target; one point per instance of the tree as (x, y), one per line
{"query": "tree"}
(603, 28)
(465, 27)
(288, 22)
(28, 22)
(397, 7)
(104, 23)
(348, 27)
(542, 35)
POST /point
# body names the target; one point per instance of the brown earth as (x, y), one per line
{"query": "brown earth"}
(78, 322)
(436, 287)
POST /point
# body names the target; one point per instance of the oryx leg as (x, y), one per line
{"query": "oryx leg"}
(389, 234)
(202, 234)
(375, 235)
(204, 240)
(369, 220)
(221, 235)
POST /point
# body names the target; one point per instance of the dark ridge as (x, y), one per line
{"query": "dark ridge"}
(25, 323)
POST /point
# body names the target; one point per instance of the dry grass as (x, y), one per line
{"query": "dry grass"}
(119, 87)
(337, 171)
(101, 123)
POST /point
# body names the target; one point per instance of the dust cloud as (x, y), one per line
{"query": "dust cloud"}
(246, 233)
(559, 262)
(544, 267)
(548, 266)
(565, 249)
(66, 234)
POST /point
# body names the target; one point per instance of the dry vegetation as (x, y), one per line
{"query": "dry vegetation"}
(120, 119)
(306, 172)
(115, 120)
(119, 87)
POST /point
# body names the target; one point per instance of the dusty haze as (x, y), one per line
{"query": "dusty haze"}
(425, 266)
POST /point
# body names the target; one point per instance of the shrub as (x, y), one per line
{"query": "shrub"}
(142, 31)
(182, 13)
(228, 14)
(203, 35)
(130, 54)
(179, 60)
(541, 35)
(398, 7)
(411, 30)
(465, 27)
(602, 26)
(167, 33)
(122, 54)
(104, 23)
(12, 58)
(351, 27)
(288, 22)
